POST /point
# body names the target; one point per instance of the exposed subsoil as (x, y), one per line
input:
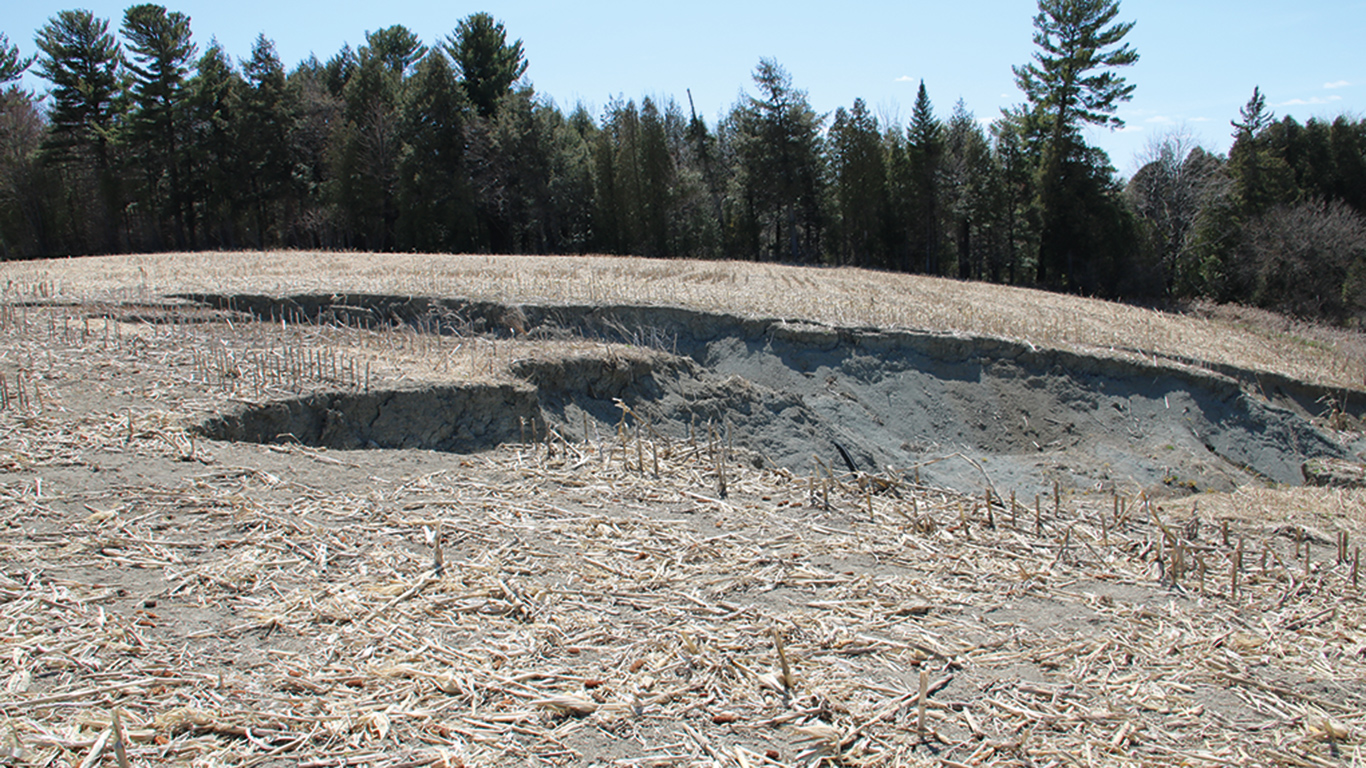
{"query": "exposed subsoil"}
(260, 597)
(958, 412)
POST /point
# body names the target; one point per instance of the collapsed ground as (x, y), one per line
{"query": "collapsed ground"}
(956, 411)
(666, 588)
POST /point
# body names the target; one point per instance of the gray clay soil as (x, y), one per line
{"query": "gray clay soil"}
(958, 412)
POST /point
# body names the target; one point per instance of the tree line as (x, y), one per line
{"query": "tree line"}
(145, 143)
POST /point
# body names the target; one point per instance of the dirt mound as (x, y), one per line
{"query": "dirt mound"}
(958, 411)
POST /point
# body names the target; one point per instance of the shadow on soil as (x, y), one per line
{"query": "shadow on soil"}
(960, 412)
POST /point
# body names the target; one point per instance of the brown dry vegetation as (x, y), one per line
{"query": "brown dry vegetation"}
(842, 297)
(601, 602)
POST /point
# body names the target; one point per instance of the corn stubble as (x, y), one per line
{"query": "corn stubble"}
(540, 601)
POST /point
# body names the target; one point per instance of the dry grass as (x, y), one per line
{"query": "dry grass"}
(843, 297)
(167, 601)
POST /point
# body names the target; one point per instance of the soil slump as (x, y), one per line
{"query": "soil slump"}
(958, 411)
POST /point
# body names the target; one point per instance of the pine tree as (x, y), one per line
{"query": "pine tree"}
(397, 46)
(267, 159)
(82, 60)
(316, 111)
(25, 188)
(436, 206)
(1255, 116)
(1072, 83)
(12, 66)
(365, 152)
(213, 112)
(1064, 82)
(779, 147)
(487, 64)
(161, 53)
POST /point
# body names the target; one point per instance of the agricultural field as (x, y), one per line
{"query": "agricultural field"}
(319, 509)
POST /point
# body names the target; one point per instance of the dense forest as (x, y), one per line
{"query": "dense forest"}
(146, 143)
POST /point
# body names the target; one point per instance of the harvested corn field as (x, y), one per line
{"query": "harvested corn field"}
(596, 589)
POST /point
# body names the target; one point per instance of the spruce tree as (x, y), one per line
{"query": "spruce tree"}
(925, 148)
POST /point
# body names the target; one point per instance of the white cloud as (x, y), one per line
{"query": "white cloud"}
(1163, 119)
(1200, 119)
(1312, 101)
(905, 79)
(1336, 84)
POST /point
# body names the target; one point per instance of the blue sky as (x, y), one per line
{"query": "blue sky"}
(1199, 59)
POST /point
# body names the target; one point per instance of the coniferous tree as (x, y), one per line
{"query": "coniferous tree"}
(82, 60)
(338, 70)
(624, 224)
(12, 65)
(161, 57)
(1015, 136)
(607, 229)
(694, 222)
(267, 117)
(1347, 146)
(25, 188)
(22, 194)
(365, 152)
(656, 182)
(397, 47)
(436, 206)
(965, 180)
(1070, 84)
(860, 185)
(1261, 176)
(487, 64)
(778, 143)
(214, 112)
(317, 112)
(925, 149)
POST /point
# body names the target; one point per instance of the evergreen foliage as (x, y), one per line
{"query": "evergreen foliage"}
(1072, 83)
(395, 145)
(12, 65)
(488, 65)
(159, 62)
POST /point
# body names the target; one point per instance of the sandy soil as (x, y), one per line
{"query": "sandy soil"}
(630, 596)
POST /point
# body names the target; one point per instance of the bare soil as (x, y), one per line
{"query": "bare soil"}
(655, 570)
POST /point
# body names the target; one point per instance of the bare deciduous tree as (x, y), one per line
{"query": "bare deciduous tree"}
(1177, 179)
(1309, 260)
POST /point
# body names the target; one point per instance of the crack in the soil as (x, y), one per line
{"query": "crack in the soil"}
(947, 406)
